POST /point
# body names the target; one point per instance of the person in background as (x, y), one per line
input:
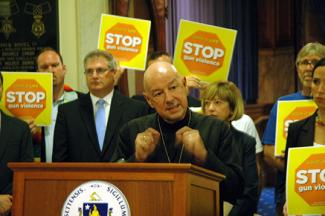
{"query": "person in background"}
(87, 128)
(174, 134)
(247, 125)
(305, 61)
(119, 73)
(191, 81)
(311, 130)
(49, 60)
(222, 100)
(15, 146)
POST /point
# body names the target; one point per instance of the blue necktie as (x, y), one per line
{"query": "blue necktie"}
(100, 122)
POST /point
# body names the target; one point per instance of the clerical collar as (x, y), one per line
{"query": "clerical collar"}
(184, 122)
(170, 129)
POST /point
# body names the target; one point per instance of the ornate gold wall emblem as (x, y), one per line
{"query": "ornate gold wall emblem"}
(8, 9)
(38, 27)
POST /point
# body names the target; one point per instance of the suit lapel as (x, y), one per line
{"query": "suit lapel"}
(86, 112)
(115, 114)
(4, 133)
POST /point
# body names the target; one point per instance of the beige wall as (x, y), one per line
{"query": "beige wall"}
(79, 26)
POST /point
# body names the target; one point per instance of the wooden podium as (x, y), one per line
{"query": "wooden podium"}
(150, 188)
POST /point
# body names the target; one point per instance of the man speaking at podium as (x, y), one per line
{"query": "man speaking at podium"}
(176, 135)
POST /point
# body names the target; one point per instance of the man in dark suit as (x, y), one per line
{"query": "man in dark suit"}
(15, 146)
(78, 136)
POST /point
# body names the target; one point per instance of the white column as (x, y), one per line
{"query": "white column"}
(79, 27)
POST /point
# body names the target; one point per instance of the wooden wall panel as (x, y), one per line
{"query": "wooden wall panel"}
(313, 24)
(276, 74)
(266, 23)
(284, 23)
(276, 52)
(275, 23)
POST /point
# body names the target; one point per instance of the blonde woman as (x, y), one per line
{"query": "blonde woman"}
(223, 101)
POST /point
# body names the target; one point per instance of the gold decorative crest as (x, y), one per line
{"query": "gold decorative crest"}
(8, 9)
(38, 27)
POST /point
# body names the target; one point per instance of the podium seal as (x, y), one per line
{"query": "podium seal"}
(96, 198)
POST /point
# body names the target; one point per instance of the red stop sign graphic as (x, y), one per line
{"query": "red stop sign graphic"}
(25, 98)
(310, 180)
(203, 53)
(123, 41)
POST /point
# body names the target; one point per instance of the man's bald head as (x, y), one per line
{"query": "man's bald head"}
(158, 70)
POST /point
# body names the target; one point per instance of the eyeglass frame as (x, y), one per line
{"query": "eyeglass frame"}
(307, 62)
(100, 71)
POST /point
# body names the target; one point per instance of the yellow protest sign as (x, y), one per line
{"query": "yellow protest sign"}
(204, 51)
(28, 95)
(126, 39)
(288, 112)
(306, 180)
